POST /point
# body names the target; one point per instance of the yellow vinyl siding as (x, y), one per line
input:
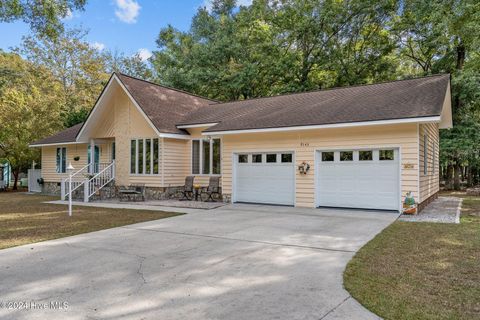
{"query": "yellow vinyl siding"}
(121, 121)
(176, 162)
(305, 144)
(178, 157)
(429, 183)
(130, 124)
(49, 159)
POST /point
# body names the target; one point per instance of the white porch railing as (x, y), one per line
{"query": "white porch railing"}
(78, 179)
(91, 184)
(100, 180)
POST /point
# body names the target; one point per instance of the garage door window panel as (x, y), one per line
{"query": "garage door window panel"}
(257, 158)
(271, 158)
(287, 158)
(346, 155)
(365, 155)
(386, 155)
(243, 158)
(327, 156)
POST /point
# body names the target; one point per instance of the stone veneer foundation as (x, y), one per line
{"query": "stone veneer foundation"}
(111, 191)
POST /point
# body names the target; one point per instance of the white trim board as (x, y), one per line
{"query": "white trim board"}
(325, 126)
(200, 125)
(55, 144)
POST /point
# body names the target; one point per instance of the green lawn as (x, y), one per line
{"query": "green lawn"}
(421, 270)
(26, 219)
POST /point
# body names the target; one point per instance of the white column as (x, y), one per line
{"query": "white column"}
(86, 190)
(62, 190)
(92, 157)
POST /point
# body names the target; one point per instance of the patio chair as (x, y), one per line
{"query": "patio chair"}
(187, 190)
(212, 189)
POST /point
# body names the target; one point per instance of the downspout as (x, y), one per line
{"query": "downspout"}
(162, 159)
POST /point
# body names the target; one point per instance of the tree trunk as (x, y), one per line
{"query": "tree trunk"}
(448, 177)
(15, 179)
(461, 53)
(456, 176)
(469, 176)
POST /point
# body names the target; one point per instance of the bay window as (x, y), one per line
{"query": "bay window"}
(144, 156)
(206, 155)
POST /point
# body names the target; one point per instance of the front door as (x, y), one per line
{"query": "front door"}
(96, 158)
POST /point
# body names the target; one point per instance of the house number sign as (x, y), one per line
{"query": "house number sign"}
(304, 144)
(408, 166)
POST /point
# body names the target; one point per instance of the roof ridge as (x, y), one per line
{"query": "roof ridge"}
(338, 88)
(166, 87)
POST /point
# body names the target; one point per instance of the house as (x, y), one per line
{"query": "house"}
(363, 146)
(5, 175)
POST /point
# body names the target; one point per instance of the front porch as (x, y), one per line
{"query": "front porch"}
(95, 178)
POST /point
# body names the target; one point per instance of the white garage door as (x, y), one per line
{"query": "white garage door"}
(358, 179)
(267, 178)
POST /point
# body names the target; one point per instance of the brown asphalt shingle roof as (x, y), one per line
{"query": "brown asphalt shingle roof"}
(164, 106)
(67, 135)
(168, 107)
(420, 97)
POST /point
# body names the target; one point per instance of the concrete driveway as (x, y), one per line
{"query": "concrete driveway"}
(235, 262)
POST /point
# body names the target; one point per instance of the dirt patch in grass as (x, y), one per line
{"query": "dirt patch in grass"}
(421, 270)
(24, 218)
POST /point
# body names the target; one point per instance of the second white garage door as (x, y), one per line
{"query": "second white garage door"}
(358, 179)
(267, 178)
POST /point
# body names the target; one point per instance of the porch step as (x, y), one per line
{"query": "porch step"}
(107, 192)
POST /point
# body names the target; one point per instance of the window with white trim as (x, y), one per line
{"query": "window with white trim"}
(425, 154)
(144, 156)
(61, 160)
(206, 155)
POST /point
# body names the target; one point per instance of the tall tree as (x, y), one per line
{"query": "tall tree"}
(443, 36)
(280, 46)
(44, 17)
(131, 65)
(30, 109)
(80, 68)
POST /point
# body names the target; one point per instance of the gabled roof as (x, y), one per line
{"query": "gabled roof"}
(65, 136)
(164, 106)
(168, 109)
(402, 99)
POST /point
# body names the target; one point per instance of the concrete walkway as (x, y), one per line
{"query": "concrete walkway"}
(235, 262)
(128, 205)
(441, 210)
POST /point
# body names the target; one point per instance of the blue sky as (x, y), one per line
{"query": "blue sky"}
(124, 25)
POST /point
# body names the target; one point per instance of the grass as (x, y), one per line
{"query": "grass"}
(24, 219)
(421, 270)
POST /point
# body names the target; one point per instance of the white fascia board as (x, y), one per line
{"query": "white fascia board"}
(55, 144)
(174, 136)
(200, 125)
(326, 126)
